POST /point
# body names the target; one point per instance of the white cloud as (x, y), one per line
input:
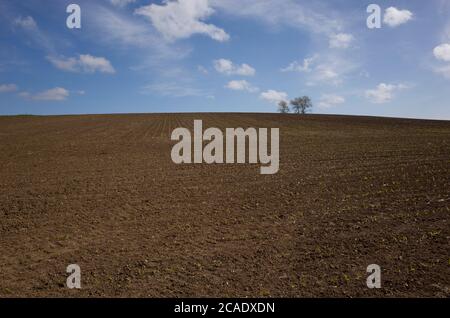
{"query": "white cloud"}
(227, 67)
(329, 69)
(8, 88)
(333, 70)
(119, 29)
(394, 17)
(298, 14)
(326, 73)
(327, 101)
(180, 19)
(27, 23)
(442, 52)
(54, 94)
(142, 44)
(274, 96)
(241, 85)
(121, 3)
(383, 93)
(83, 63)
(300, 67)
(92, 64)
(65, 64)
(39, 39)
(341, 40)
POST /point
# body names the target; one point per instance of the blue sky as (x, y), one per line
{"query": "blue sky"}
(225, 56)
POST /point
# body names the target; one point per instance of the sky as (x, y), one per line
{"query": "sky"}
(135, 56)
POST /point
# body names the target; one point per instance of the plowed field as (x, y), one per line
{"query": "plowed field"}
(102, 192)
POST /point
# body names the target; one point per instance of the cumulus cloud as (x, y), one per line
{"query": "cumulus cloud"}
(296, 66)
(328, 101)
(54, 94)
(442, 52)
(180, 19)
(8, 88)
(383, 93)
(274, 96)
(27, 23)
(121, 3)
(92, 64)
(394, 17)
(328, 69)
(241, 85)
(229, 68)
(341, 40)
(84, 63)
(326, 73)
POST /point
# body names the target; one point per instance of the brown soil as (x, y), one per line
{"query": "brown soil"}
(102, 192)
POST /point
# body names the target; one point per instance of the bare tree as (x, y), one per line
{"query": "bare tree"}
(283, 107)
(300, 105)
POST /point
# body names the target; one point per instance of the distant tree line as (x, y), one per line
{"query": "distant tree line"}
(299, 105)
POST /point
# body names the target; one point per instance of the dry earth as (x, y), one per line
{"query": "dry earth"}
(102, 192)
